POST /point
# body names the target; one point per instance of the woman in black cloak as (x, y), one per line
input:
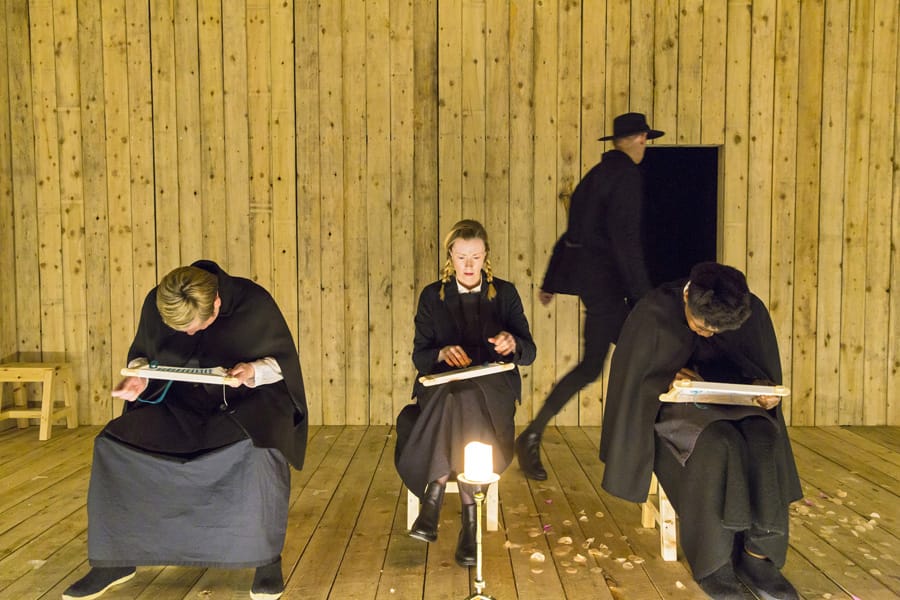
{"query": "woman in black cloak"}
(468, 317)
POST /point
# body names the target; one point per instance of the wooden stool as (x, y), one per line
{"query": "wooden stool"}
(492, 502)
(662, 515)
(45, 373)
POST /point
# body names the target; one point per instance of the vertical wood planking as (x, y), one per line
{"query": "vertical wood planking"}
(376, 233)
(666, 68)
(893, 377)
(332, 198)
(213, 167)
(690, 71)
(143, 224)
(546, 201)
(568, 172)
(22, 134)
(831, 214)
(237, 136)
(7, 214)
(618, 58)
(806, 238)
(472, 110)
(309, 215)
(732, 229)
(425, 149)
(712, 91)
(450, 121)
(593, 126)
(882, 169)
(528, 269)
(760, 143)
(94, 402)
(497, 200)
(403, 251)
(283, 160)
(165, 135)
(187, 119)
(856, 193)
(784, 189)
(123, 306)
(47, 163)
(642, 88)
(357, 182)
(259, 129)
(71, 190)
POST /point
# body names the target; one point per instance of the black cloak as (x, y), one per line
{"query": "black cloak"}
(193, 419)
(432, 432)
(654, 344)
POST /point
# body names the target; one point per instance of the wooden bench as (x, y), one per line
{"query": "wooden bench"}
(657, 510)
(491, 502)
(51, 375)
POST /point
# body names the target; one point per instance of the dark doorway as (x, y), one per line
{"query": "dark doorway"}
(681, 187)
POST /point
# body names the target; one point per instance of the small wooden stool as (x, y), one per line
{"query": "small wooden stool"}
(47, 374)
(492, 502)
(662, 515)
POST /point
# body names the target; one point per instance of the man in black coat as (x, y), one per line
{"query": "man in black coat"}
(602, 253)
(728, 470)
(197, 474)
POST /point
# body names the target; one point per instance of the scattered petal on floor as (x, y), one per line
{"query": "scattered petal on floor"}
(875, 515)
(571, 570)
(598, 514)
(562, 550)
(680, 585)
(582, 518)
(627, 565)
(510, 545)
(635, 559)
(548, 527)
(538, 557)
(580, 558)
(537, 571)
(567, 522)
(564, 540)
(36, 564)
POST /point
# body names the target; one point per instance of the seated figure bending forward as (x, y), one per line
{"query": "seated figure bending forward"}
(196, 474)
(468, 317)
(728, 470)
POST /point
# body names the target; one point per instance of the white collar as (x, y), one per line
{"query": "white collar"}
(464, 290)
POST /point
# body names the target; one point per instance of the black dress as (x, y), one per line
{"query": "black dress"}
(433, 432)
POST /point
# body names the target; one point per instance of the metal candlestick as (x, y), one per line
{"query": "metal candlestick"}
(479, 487)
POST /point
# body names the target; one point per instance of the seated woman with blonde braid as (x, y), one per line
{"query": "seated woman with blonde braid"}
(468, 317)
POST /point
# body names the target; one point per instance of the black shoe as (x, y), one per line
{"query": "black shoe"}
(97, 581)
(426, 524)
(466, 547)
(268, 584)
(763, 577)
(724, 585)
(528, 451)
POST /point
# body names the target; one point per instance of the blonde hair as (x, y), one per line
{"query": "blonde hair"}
(185, 295)
(467, 229)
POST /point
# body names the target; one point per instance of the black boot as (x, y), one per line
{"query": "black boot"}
(426, 524)
(528, 451)
(466, 547)
(268, 583)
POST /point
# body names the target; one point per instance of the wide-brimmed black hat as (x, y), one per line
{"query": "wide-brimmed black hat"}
(630, 124)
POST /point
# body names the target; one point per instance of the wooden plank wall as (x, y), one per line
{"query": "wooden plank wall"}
(323, 149)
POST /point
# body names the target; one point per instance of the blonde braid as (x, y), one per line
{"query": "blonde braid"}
(446, 273)
(489, 271)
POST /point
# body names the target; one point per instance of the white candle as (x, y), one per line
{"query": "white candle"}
(479, 461)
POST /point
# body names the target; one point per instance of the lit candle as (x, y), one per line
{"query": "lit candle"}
(479, 461)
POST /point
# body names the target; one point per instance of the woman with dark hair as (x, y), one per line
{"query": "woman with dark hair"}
(468, 317)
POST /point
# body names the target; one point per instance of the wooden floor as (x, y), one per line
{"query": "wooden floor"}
(563, 538)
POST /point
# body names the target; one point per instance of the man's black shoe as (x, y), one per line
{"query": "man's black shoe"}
(268, 583)
(528, 451)
(763, 577)
(97, 581)
(724, 585)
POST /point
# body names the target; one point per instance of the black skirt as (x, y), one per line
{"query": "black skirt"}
(432, 434)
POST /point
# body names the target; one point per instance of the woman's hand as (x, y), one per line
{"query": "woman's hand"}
(130, 388)
(767, 402)
(504, 343)
(685, 374)
(454, 356)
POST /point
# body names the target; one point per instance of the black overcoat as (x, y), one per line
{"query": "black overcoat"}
(249, 326)
(654, 344)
